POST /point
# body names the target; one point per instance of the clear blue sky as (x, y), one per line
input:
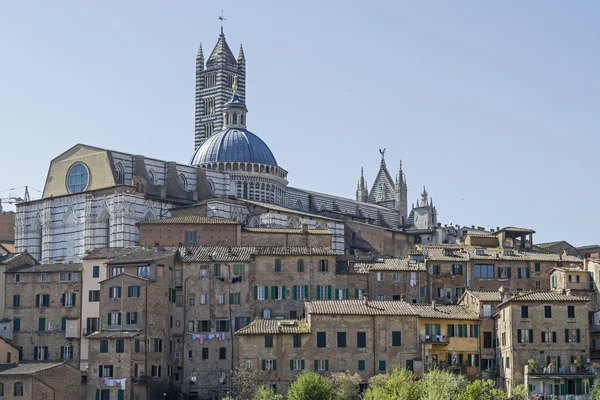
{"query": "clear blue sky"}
(494, 106)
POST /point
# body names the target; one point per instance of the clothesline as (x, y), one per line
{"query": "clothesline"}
(115, 382)
(207, 336)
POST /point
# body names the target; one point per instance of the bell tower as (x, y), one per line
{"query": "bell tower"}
(214, 82)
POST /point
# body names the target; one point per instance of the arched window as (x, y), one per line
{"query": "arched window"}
(18, 392)
(152, 177)
(183, 181)
(299, 205)
(120, 174)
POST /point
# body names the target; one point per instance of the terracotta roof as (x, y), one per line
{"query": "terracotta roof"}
(66, 267)
(515, 229)
(130, 275)
(358, 307)
(10, 247)
(443, 312)
(390, 264)
(483, 235)
(8, 258)
(216, 253)
(569, 269)
(546, 295)
(143, 254)
(100, 253)
(288, 230)
(245, 253)
(445, 253)
(274, 326)
(296, 251)
(28, 368)
(190, 219)
(113, 334)
(485, 295)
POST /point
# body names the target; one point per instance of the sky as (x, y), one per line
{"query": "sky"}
(493, 106)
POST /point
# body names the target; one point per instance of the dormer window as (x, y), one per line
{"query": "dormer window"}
(480, 252)
(417, 257)
(509, 253)
(448, 252)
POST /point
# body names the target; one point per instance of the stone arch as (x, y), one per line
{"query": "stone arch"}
(211, 186)
(253, 222)
(299, 206)
(294, 223)
(120, 172)
(150, 216)
(183, 181)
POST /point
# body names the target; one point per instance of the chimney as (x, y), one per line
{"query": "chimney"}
(304, 228)
(365, 299)
(433, 304)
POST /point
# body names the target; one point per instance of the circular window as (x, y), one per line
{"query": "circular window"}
(77, 178)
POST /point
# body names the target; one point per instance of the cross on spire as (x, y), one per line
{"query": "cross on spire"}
(222, 18)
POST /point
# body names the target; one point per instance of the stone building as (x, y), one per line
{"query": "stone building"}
(9, 260)
(43, 303)
(360, 336)
(395, 278)
(222, 289)
(551, 329)
(33, 381)
(129, 354)
(7, 228)
(488, 261)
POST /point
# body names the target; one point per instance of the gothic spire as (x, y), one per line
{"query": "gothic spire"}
(200, 55)
(241, 56)
(221, 53)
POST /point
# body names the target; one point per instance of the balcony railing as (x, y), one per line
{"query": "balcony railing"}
(561, 396)
(564, 370)
(440, 339)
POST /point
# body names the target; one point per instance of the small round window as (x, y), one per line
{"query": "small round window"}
(77, 178)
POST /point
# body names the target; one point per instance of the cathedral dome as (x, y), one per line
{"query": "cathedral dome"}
(234, 145)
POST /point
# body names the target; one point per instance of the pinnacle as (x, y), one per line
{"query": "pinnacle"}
(241, 55)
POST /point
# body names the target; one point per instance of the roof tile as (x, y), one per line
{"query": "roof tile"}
(274, 326)
(190, 219)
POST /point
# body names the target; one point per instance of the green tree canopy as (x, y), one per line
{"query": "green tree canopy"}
(310, 386)
(482, 389)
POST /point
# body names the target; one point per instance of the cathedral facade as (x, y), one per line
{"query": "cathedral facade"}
(94, 197)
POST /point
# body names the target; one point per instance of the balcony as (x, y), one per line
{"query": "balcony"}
(435, 339)
(140, 380)
(562, 397)
(562, 372)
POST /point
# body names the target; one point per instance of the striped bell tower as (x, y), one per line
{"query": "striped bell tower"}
(214, 81)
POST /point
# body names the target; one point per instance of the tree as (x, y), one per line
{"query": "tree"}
(264, 393)
(482, 389)
(595, 395)
(400, 384)
(245, 383)
(310, 386)
(519, 392)
(344, 386)
(442, 385)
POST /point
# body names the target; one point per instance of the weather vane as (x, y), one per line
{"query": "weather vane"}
(222, 18)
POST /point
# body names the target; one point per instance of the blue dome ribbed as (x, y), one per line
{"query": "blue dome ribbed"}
(235, 145)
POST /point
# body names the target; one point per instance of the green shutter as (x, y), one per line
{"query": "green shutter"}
(531, 336)
(45, 352)
(326, 365)
(137, 345)
(566, 336)
(109, 319)
(283, 293)
(318, 292)
(337, 297)
(578, 336)
(316, 365)
(264, 366)
(266, 293)
(118, 318)
(273, 292)
(42, 324)
(121, 395)
(63, 324)
(90, 295)
(255, 292)
(527, 272)
(329, 292)
(346, 293)
(476, 330)
(508, 271)
(356, 293)
(97, 394)
(302, 364)
(16, 324)
(37, 300)
(291, 365)
(274, 365)
(306, 293)
(295, 292)
(499, 272)
(427, 329)
(519, 273)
